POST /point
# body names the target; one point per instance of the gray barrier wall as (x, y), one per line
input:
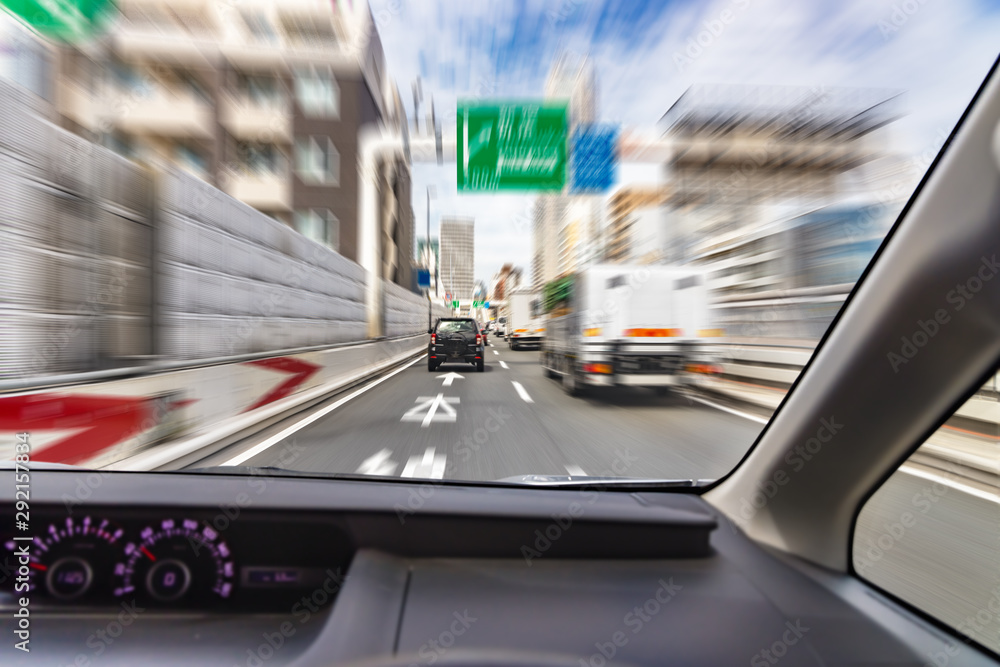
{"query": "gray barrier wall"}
(406, 312)
(235, 281)
(106, 264)
(75, 242)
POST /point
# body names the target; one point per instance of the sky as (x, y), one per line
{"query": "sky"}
(646, 54)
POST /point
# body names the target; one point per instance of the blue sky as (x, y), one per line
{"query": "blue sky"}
(647, 53)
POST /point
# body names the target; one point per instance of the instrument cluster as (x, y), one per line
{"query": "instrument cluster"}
(187, 561)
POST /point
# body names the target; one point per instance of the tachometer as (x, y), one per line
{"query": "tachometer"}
(175, 561)
(73, 558)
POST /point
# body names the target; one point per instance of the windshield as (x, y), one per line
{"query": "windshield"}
(662, 206)
(455, 327)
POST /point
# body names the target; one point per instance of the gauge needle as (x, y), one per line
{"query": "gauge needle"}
(38, 566)
(148, 555)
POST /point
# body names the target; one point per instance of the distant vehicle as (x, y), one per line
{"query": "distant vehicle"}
(499, 327)
(615, 324)
(456, 339)
(524, 325)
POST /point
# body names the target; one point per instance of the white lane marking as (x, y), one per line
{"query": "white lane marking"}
(940, 479)
(450, 377)
(575, 470)
(431, 404)
(378, 464)
(521, 392)
(503, 364)
(429, 465)
(745, 415)
(316, 416)
(496, 353)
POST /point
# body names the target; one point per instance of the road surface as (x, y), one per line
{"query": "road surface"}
(509, 420)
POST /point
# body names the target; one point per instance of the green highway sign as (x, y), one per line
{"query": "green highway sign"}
(454, 304)
(66, 20)
(511, 146)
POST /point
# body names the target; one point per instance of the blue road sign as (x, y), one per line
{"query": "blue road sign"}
(423, 278)
(592, 158)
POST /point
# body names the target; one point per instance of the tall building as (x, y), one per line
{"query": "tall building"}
(458, 257)
(567, 228)
(269, 100)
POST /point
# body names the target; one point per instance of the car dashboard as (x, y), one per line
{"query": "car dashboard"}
(214, 569)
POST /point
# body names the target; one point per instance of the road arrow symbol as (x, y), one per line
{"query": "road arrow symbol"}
(378, 464)
(450, 377)
(432, 409)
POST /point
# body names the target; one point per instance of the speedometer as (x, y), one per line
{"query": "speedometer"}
(71, 559)
(175, 561)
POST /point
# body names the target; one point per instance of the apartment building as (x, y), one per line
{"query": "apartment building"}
(267, 100)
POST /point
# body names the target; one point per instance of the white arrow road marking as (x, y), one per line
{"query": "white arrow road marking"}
(431, 404)
(378, 464)
(450, 377)
(521, 392)
(575, 470)
(503, 364)
(429, 465)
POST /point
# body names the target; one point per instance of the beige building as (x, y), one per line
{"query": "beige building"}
(625, 209)
(269, 100)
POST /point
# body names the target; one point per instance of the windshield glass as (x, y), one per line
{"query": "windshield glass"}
(454, 327)
(662, 206)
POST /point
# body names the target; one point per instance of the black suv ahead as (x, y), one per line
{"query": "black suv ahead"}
(456, 339)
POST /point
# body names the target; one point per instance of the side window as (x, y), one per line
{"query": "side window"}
(930, 535)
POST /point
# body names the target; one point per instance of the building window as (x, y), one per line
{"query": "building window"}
(260, 90)
(317, 161)
(260, 159)
(317, 92)
(320, 225)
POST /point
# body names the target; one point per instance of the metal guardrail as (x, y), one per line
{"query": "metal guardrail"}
(761, 372)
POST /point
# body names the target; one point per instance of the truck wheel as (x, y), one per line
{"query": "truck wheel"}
(431, 365)
(480, 366)
(547, 366)
(571, 383)
(663, 391)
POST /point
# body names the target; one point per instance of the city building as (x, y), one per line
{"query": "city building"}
(637, 225)
(746, 160)
(458, 257)
(272, 101)
(568, 228)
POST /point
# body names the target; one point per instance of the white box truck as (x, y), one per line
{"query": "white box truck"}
(628, 325)
(524, 324)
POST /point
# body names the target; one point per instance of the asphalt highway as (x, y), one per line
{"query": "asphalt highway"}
(507, 421)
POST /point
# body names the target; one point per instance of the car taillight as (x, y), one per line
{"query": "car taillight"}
(433, 339)
(479, 339)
